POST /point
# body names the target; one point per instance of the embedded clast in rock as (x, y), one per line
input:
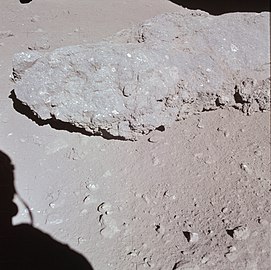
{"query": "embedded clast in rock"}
(150, 75)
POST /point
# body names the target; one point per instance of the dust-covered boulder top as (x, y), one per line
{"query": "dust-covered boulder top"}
(146, 77)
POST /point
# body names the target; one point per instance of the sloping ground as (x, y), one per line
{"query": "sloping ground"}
(196, 196)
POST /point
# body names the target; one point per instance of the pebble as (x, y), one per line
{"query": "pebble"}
(204, 259)
(110, 227)
(263, 222)
(226, 134)
(104, 208)
(154, 139)
(199, 125)
(241, 233)
(232, 248)
(257, 153)
(160, 229)
(191, 237)
(231, 256)
(88, 200)
(35, 18)
(225, 221)
(181, 265)
(245, 168)
(92, 186)
(81, 240)
(146, 198)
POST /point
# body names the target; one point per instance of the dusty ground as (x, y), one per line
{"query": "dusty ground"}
(173, 200)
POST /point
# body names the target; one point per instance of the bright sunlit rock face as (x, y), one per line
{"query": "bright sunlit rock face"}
(151, 75)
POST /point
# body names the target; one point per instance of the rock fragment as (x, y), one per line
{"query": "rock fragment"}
(232, 254)
(191, 237)
(240, 232)
(245, 168)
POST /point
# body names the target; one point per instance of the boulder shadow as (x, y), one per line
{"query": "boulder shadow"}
(25, 1)
(24, 247)
(222, 7)
(57, 124)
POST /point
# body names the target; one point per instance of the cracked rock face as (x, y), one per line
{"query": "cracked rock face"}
(149, 76)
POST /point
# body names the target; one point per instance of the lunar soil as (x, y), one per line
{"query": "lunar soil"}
(193, 195)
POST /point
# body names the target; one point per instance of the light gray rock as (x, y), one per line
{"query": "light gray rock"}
(149, 76)
(241, 233)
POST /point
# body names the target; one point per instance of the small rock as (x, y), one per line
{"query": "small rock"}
(263, 222)
(245, 168)
(226, 134)
(191, 237)
(146, 198)
(104, 208)
(240, 233)
(199, 125)
(154, 139)
(160, 229)
(231, 256)
(35, 18)
(204, 259)
(110, 227)
(232, 248)
(184, 265)
(92, 187)
(225, 221)
(257, 153)
(223, 100)
(224, 210)
(88, 200)
(81, 240)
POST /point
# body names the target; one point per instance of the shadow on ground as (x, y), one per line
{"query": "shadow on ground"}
(25, 1)
(23, 247)
(221, 7)
(56, 123)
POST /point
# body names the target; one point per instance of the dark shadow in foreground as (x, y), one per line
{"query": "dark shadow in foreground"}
(56, 123)
(25, 1)
(23, 247)
(221, 7)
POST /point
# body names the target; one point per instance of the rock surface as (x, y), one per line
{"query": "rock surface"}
(149, 76)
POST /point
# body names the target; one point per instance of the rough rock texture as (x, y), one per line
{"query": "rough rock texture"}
(146, 77)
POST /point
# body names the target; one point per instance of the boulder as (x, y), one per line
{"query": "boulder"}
(151, 75)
